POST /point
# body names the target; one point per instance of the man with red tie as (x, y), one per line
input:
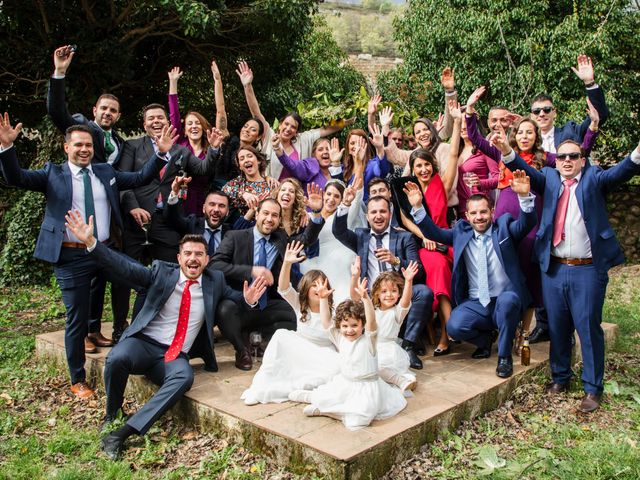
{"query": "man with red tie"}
(174, 324)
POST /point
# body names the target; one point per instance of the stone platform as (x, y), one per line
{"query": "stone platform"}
(450, 389)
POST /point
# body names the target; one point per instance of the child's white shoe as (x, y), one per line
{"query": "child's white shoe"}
(302, 396)
(311, 411)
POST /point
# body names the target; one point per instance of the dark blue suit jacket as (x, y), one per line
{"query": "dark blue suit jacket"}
(505, 234)
(401, 244)
(576, 131)
(55, 182)
(160, 281)
(590, 193)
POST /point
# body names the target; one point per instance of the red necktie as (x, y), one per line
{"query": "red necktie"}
(561, 212)
(183, 322)
(162, 172)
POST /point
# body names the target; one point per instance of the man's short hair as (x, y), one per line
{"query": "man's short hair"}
(542, 97)
(108, 96)
(571, 141)
(220, 193)
(76, 128)
(377, 198)
(268, 200)
(194, 238)
(376, 180)
(153, 106)
(498, 107)
(480, 196)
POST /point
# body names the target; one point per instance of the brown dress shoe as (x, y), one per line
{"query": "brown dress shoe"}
(89, 346)
(556, 388)
(590, 402)
(82, 390)
(100, 340)
(243, 360)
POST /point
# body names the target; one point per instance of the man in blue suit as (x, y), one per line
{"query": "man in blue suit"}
(176, 321)
(575, 246)
(488, 287)
(92, 189)
(383, 248)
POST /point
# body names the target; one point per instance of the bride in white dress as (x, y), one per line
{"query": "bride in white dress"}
(334, 258)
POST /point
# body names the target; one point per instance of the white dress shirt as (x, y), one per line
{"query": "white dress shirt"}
(548, 141)
(498, 280)
(162, 328)
(576, 242)
(102, 219)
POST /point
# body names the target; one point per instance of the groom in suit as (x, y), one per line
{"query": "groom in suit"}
(575, 247)
(176, 319)
(489, 290)
(383, 248)
(93, 189)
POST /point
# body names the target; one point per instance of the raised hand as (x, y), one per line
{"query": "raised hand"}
(411, 271)
(447, 79)
(513, 117)
(584, 70)
(349, 195)
(414, 194)
(322, 287)
(166, 139)
(377, 140)
(77, 225)
(215, 71)
(386, 116)
(355, 267)
(360, 149)
(8, 133)
(174, 74)
(439, 123)
(499, 140)
(454, 109)
(593, 115)
(314, 197)
(294, 252)
(475, 96)
(215, 137)
(276, 144)
(521, 183)
(245, 74)
(361, 288)
(62, 57)
(335, 152)
(179, 182)
(253, 292)
(372, 108)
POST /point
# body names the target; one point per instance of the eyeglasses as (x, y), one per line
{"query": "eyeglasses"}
(536, 111)
(573, 156)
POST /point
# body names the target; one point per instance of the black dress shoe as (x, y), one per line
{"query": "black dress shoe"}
(112, 446)
(505, 367)
(414, 360)
(439, 352)
(243, 360)
(590, 402)
(556, 388)
(118, 330)
(538, 335)
(481, 352)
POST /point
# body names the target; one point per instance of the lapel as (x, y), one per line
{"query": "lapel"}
(580, 193)
(169, 285)
(66, 177)
(466, 232)
(496, 244)
(363, 251)
(393, 242)
(207, 295)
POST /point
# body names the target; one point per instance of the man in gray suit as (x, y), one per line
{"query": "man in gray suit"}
(176, 319)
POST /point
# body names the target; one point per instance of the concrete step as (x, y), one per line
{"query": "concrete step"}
(450, 389)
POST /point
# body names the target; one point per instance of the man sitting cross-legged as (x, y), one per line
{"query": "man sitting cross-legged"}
(488, 287)
(175, 321)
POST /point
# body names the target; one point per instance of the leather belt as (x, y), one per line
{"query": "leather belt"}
(572, 261)
(80, 245)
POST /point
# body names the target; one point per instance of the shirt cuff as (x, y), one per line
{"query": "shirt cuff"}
(451, 93)
(173, 198)
(510, 157)
(4, 149)
(418, 214)
(335, 171)
(92, 247)
(593, 87)
(317, 219)
(528, 203)
(342, 210)
(57, 76)
(635, 156)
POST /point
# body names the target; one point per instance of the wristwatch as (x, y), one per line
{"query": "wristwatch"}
(396, 262)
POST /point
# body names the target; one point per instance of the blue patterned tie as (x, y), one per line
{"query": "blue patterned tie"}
(382, 266)
(89, 208)
(262, 262)
(213, 243)
(483, 274)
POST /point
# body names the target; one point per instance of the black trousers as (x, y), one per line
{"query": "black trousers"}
(235, 322)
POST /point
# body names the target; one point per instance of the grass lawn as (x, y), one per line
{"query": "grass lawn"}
(46, 433)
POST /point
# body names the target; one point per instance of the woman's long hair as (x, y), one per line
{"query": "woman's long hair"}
(306, 282)
(539, 155)
(347, 159)
(299, 211)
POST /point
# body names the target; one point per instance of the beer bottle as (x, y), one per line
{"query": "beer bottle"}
(525, 356)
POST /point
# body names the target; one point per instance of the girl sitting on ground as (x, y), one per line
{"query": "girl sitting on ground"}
(302, 359)
(356, 395)
(391, 297)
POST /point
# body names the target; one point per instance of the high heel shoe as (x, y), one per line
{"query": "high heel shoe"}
(439, 352)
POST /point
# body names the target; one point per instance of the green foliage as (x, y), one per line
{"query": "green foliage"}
(519, 49)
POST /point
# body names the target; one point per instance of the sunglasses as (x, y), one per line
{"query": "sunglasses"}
(568, 156)
(536, 111)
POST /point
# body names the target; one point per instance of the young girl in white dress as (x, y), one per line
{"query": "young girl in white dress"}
(356, 395)
(391, 296)
(302, 359)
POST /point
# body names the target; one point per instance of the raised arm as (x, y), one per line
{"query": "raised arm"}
(174, 108)
(218, 95)
(371, 324)
(56, 99)
(293, 254)
(422, 220)
(451, 173)
(322, 287)
(447, 80)
(409, 274)
(513, 161)
(585, 72)
(246, 77)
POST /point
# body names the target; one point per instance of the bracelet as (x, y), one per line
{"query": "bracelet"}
(590, 84)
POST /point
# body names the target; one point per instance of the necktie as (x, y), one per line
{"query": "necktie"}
(89, 207)
(213, 242)
(382, 266)
(483, 274)
(561, 212)
(262, 262)
(183, 322)
(109, 147)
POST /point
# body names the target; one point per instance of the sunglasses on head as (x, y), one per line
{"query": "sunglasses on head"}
(573, 156)
(536, 111)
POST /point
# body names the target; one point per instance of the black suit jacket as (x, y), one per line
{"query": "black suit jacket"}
(62, 119)
(234, 256)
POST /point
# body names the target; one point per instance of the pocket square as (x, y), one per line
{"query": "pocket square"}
(112, 181)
